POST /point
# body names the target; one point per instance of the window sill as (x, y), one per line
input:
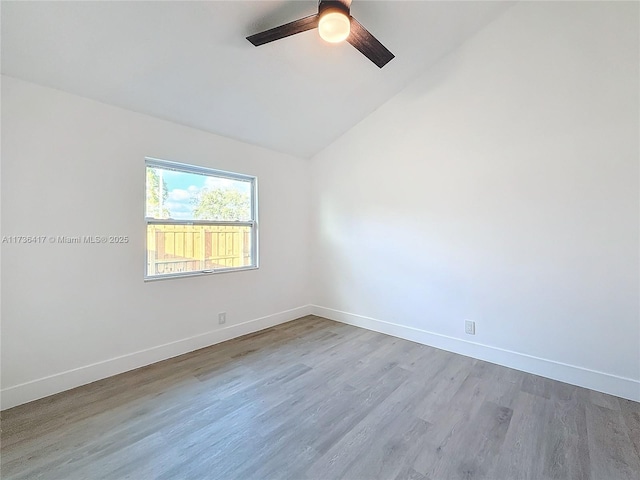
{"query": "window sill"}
(198, 274)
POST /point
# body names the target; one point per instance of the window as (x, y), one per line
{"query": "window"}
(199, 220)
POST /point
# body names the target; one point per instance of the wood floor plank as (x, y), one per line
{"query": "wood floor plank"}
(470, 445)
(322, 425)
(610, 449)
(631, 416)
(408, 473)
(442, 386)
(565, 449)
(524, 436)
(317, 399)
(499, 384)
(604, 400)
(386, 455)
(365, 436)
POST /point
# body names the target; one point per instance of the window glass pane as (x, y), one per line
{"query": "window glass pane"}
(191, 196)
(174, 249)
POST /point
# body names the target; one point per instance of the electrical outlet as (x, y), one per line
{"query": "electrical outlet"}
(222, 318)
(469, 327)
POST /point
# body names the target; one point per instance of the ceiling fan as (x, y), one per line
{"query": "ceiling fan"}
(335, 24)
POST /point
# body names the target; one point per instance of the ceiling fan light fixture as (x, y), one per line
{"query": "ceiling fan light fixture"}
(334, 26)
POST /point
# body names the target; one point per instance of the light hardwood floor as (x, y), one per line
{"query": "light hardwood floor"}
(315, 399)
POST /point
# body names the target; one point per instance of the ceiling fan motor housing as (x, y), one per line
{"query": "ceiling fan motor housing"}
(332, 5)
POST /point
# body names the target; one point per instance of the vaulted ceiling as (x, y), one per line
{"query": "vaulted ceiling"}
(189, 62)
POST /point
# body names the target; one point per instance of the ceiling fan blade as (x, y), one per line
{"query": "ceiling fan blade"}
(368, 45)
(297, 26)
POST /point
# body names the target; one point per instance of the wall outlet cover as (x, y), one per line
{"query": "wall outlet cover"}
(469, 327)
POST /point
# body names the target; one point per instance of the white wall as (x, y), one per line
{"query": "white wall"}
(75, 313)
(501, 186)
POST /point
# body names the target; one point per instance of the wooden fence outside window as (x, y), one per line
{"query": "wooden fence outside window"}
(188, 248)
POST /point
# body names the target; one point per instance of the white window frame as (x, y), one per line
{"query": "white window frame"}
(253, 223)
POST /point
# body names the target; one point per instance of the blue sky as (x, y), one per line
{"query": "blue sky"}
(184, 187)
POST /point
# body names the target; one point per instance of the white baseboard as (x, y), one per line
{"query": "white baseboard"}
(583, 377)
(43, 387)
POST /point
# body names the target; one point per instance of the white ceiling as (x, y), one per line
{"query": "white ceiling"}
(189, 62)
